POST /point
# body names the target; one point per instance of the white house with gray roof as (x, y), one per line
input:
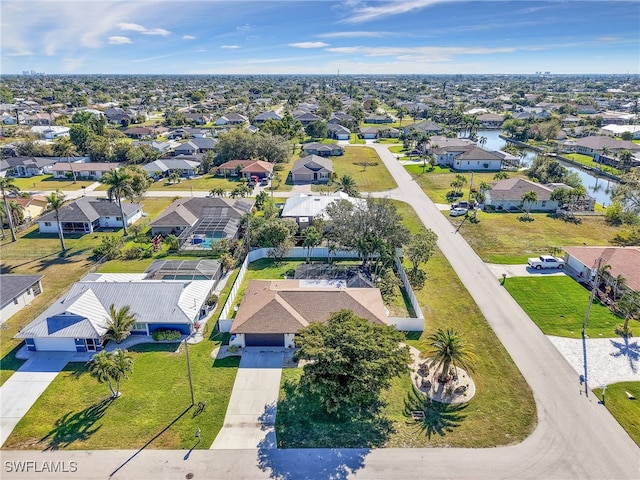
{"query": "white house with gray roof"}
(16, 292)
(166, 166)
(312, 168)
(303, 207)
(77, 322)
(467, 158)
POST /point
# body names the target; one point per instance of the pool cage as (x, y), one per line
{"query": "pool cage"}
(184, 270)
(207, 231)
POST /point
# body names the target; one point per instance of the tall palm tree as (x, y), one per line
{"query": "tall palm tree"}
(101, 368)
(122, 365)
(629, 307)
(7, 186)
(56, 200)
(119, 182)
(447, 348)
(64, 147)
(528, 199)
(347, 185)
(119, 323)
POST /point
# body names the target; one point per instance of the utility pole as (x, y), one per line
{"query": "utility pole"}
(594, 286)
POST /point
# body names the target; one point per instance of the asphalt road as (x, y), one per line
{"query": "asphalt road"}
(576, 437)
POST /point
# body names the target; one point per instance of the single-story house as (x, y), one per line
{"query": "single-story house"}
(273, 311)
(337, 117)
(587, 203)
(51, 132)
(378, 119)
(194, 146)
(30, 166)
(468, 158)
(16, 292)
(312, 168)
(323, 149)
(33, 205)
(594, 145)
(166, 166)
(266, 115)
(506, 195)
(370, 133)
(426, 126)
(624, 261)
(83, 170)
(618, 130)
(86, 214)
(490, 120)
(246, 168)
(232, 119)
(201, 221)
(303, 207)
(306, 118)
(78, 321)
(338, 132)
(141, 132)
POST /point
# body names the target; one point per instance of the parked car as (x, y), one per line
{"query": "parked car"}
(545, 261)
(464, 204)
(458, 212)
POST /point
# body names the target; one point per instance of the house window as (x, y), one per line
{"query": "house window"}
(36, 289)
(92, 173)
(91, 344)
(118, 219)
(47, 224)
(139, 327)
(544, 203)
(15, 300)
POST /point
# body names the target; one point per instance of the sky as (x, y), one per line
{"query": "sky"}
(319, 37)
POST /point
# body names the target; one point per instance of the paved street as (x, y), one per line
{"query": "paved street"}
(576, 437)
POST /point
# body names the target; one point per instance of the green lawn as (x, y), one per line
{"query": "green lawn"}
(47, 182)
(558, 306)
(154, 409)
(501, 413)
(356, 140)
(202, 183)
(626, 411)
(588, 161)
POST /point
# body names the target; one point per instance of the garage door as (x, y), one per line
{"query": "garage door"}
(55, 344)
(264, 340)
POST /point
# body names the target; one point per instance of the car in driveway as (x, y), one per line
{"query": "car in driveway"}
(458, 212)
(545, 261)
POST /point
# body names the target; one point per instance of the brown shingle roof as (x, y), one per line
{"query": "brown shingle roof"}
(282, 306)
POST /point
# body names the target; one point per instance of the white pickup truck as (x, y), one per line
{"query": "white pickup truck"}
(545, 261)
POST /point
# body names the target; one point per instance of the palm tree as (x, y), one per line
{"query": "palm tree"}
(119, 323)
(624, 158)
(64, 147)
(312, 238)
(629, 307)
(56, 201)
(447, 349)
(7, 186)
(347, 185)
(501, 176)
(528, 199)
(101, 367)
(119, 182)
(122, 365)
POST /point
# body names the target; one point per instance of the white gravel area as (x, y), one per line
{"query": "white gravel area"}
(609, 360)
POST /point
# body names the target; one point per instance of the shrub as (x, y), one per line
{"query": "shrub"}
(108, 249)
(137, 252)
(620, 330)
(212, 299)
(164, 335)
(277, 167)
(171, 241)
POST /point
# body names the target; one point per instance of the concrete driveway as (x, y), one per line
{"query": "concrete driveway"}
(23, 388)
(523, 271)
(251, 414)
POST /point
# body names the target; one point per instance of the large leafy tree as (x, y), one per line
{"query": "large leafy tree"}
(55, 202)
(312, 238)
(275, 234)
(420, 248)
(7, 186)
(447, 348)
(351, 361)
(119, 182)
(627, 193)
(119, 323)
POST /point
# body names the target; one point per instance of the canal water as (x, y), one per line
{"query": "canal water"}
(597, 187)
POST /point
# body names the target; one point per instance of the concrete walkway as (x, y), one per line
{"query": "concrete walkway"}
(523, 271)
(251, 414)
(23, 388)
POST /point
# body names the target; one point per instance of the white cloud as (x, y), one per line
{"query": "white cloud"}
(427, 54)
(309, 45)
(244, 28)
(143, 30)
(365, 13)
(118, 40)
(19, 53)
(230, 47)
(188, 37)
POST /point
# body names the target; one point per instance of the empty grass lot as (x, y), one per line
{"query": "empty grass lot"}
(153, 412)
(47, 182)
(35, 254)
(558, 306)
(502, 412)
(626, 411)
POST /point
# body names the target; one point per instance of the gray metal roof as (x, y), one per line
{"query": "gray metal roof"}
(13, 285)
(87, 209)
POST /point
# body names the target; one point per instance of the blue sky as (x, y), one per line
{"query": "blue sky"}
(319, 36)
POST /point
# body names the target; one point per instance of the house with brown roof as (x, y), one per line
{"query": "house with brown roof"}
(246, 169)
(506, 195)
(83, 170)
(273, 311)
(624, 261)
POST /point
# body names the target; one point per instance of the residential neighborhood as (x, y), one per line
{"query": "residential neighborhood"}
(335, 263)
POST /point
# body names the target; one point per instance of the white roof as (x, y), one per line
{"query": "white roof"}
(308, 205)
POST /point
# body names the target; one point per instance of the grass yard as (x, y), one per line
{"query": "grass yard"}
(356, 140)
(373, 178)
(625, 411)
(558, 306)
(35, 254)
(47, 182)
(588, 161)
(202, 183)
(502, 412)
(153, 412)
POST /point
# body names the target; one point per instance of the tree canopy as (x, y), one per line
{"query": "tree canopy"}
(352, 361)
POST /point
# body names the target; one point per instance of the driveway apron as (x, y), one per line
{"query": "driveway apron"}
(23, 388)
(251, 413)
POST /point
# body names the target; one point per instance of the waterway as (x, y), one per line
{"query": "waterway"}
(597, 187)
